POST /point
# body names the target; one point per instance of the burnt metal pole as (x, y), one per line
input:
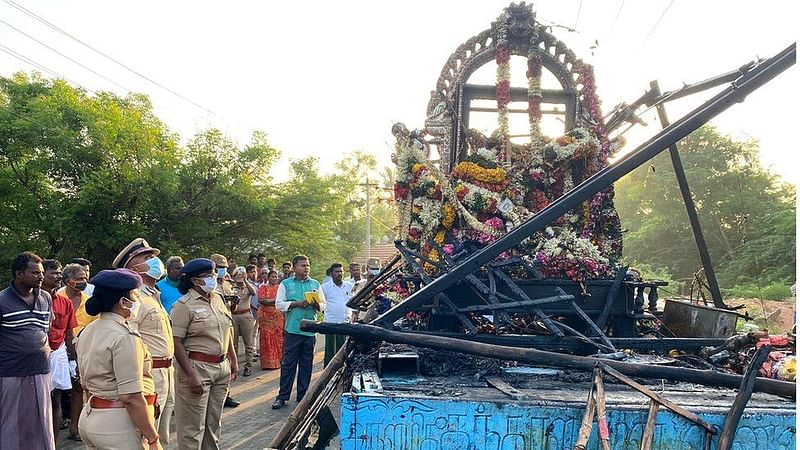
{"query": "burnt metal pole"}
(691, 210)
(749, 82)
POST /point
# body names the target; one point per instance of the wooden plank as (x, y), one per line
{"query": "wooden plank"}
(505, 305)
(586, 423)
(612, 295)
(677, 409)
(745, 391)
(650, 426)
(597, 331)
(502, 386)
(600, 399)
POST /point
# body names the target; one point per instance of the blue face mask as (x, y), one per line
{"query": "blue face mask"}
(221, 272)
(155, 268)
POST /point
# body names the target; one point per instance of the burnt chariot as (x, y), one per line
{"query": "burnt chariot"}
(481, 187)
(509, 254)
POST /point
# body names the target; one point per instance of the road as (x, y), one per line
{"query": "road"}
(253, 424)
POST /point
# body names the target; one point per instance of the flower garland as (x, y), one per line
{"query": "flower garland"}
(534, 75)
(467, 170)
(564, 254)
(475, 172)
(448, 215)
(503, 84)
(575, 144)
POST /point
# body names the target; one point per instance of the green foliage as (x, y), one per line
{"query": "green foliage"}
(771, 291)
(746, 213)
(83, 175)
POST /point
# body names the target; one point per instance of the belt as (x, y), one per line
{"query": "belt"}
(101, 403)
(242, 311)
(197, 356)
(161, 363)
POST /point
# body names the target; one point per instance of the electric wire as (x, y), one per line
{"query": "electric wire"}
(614, 22)
(577, 17)
(105, 55)
(74, 61)
(658, 22)
(41, 67)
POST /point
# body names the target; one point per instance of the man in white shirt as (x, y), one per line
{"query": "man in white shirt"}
(337, 293)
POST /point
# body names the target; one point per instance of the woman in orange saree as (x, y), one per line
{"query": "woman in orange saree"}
(270, 323)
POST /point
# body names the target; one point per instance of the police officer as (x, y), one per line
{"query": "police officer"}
(115, 369)
(152, 323)
(203, 332)
(225, 289)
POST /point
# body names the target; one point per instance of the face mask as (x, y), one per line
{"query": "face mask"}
(155, 268)
(221, 272)
(211, 284)
(80, 285)
(374, 271)
(133, 308)
(89, 289)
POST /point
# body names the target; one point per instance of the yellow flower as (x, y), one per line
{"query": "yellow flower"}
(472, 171)
(417, 167)
(439, 239)
(448, 215)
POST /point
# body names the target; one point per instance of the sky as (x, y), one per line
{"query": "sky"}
(326, 78)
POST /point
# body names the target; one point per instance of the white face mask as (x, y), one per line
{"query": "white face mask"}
(133, 308)
(211, 284)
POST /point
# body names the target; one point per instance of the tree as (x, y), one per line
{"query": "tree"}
(83, 175)
(743, 210)
(71, 172)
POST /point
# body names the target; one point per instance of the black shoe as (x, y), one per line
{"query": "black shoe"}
(247, 372)
(231, 403)
(278, 403)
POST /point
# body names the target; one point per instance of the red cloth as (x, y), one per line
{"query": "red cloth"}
(270, 329)
(63, 318)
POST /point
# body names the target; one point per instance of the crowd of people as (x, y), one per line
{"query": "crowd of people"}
(120, 355)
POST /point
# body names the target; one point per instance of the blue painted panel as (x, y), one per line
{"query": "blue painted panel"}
(377, 422)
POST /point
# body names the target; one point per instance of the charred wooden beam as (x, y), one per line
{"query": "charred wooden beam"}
(295, 418)
(612, 294)
(745, 391)
(677, 409)
(533, 356)
(571, 344)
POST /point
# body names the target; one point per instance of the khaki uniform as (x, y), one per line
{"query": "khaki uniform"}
(152, 322)
(205, 325)
(243, 324)
(127, 371)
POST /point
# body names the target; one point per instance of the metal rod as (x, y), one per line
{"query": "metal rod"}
(752, 80)
(691, 210)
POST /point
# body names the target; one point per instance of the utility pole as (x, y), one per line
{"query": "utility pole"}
(367, 185)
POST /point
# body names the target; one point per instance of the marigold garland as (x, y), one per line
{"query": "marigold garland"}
(467, 170)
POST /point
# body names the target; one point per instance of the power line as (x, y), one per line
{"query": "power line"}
(657, 22)
(28, 61)
(110, 58)
(41, 67)
(580, 6)
(614, 22)
(64, 56)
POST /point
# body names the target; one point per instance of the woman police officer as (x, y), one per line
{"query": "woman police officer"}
(115, 369)
(203, 331)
